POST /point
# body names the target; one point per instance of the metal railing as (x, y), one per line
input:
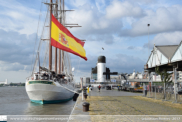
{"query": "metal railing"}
(157, 91)
(117, 82)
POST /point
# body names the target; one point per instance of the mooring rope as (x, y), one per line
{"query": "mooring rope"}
(72, 110)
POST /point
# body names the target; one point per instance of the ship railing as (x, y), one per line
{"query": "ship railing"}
(117, 82)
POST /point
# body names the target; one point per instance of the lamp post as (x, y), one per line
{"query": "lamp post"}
(150, 80)
(148, 39)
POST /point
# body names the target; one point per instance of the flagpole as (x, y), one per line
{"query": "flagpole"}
(50, 46)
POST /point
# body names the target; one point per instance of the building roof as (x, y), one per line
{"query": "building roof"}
(167, 50)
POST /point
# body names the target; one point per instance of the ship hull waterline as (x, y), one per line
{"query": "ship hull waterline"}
(47, 92)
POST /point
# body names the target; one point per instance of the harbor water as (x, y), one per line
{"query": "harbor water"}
(15, 101)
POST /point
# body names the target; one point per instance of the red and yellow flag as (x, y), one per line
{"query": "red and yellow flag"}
(64, 40)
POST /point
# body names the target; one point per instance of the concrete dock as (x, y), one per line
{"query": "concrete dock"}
(113, 105)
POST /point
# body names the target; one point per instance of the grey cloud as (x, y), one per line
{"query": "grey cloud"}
(95, 27)
(108, 39)
(118, 9)
(165, 19)
(11, 66)
(172, 38)
(109, 42)
(131, 48)
(16, 48)
(145, 1)
(125, 63)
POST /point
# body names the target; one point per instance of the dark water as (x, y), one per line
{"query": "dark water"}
(14, 101)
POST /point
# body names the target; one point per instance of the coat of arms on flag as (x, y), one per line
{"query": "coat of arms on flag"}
(63, 40)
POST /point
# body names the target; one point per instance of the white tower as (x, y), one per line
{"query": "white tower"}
(101, 67)
(6, 81)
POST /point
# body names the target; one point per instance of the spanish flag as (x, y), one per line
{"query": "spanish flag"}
(64, 40)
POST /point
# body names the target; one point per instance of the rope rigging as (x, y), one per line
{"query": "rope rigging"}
(40, 42)
(36, 36)
(65, 56)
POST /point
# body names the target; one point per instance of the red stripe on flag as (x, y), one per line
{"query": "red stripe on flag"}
(65, 30)
(58, 45)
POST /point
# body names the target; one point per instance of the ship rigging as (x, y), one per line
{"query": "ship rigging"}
(55, 83)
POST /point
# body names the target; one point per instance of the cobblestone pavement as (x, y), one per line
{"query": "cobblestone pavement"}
(131, 105)
(107, 108)
(127, 103)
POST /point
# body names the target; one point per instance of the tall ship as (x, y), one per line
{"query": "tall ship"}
(54, 82)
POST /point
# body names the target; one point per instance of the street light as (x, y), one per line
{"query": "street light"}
(149, 55)
(148, 39)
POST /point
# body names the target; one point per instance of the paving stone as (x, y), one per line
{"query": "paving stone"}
(124, 103)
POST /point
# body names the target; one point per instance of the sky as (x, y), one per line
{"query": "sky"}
(119, 26)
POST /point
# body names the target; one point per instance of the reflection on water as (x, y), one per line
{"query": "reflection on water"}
(14, 101)
(49, 109)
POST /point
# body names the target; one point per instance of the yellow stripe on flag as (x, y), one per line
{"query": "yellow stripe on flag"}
(72, 44)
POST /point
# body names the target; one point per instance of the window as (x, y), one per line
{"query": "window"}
(94, 76)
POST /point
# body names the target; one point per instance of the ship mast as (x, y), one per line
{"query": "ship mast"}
(63, 23)
(50, 46)
(61, 19)
(56, 15)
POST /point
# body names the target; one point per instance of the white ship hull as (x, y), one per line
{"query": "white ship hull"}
(41, 91)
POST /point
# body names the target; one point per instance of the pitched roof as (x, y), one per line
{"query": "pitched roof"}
(167, 50)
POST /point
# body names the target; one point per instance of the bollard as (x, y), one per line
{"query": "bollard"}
(85, 95)
(85, 106)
